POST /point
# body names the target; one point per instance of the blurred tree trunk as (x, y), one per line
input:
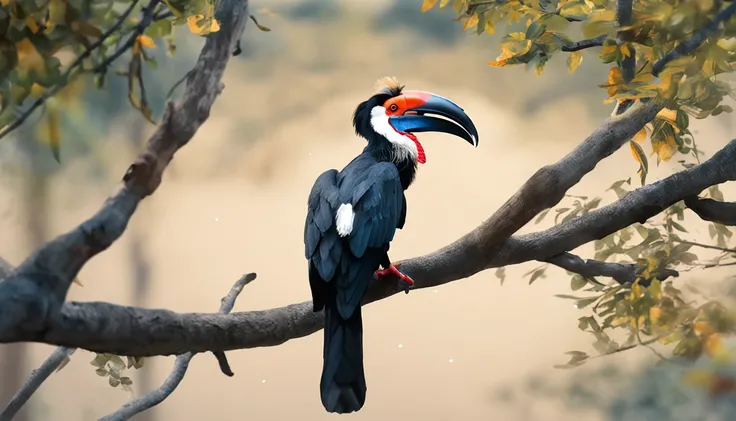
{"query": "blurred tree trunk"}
(141, 269)
(14, 366)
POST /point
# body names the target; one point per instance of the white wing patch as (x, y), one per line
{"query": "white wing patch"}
(344, 219)
(403, 146)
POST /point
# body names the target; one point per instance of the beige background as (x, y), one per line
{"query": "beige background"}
(235, 202)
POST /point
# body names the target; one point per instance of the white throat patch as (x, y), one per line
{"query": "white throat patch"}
(404, 148)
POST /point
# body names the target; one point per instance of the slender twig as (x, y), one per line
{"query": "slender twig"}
(706, 246)
(146, 20)
(38, 376)
(622, 273)
(691, 44)
(711, 210)
(586, 43)
(64, 80)
(155, 397)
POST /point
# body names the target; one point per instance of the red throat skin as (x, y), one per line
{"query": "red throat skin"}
(421, 156)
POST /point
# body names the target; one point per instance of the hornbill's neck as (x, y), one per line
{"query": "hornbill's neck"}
(385, 144)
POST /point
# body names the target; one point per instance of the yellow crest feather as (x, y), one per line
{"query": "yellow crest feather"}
(389, 85)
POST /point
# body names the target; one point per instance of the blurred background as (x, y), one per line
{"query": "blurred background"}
(234, 201)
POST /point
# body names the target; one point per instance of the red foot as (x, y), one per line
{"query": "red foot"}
(393, 270)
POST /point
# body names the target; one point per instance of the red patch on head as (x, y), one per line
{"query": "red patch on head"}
(421, 156)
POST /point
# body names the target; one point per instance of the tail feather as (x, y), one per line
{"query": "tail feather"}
(342, 386)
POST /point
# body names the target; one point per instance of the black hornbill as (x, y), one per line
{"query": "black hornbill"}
(352, 216)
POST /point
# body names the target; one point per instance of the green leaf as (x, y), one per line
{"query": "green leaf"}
(641, 158)
(101, 372)
(577, 282)
(581, 304)
(577, 358)
(99, 361)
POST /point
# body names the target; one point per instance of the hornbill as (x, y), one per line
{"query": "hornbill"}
(352, 216)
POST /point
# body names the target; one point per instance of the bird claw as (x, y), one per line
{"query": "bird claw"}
(393, 270)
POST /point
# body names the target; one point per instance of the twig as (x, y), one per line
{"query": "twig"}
(64, 80)
(38, 376)
(586, 43)
(691, 44)
(706, 246)
(146, 20)
(620, 272)
(155, 397)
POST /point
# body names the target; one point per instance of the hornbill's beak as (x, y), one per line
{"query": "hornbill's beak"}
(411, 116)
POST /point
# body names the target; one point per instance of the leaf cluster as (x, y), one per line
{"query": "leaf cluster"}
(114, 368)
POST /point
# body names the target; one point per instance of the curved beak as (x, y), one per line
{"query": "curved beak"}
(415, 118)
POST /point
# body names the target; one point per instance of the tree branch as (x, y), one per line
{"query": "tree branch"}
(38, 376)
(32, 296)
(155, 397)
(586, 43)
(698, 38)
(723, 213)
(622, 273)
(137, 332)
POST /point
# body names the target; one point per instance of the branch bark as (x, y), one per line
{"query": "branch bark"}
(723, 213)
(586, 43)
(621, 272)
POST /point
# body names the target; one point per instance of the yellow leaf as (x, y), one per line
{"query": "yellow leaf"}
(444, 3)
(145, 41)
(57, 13)
(641, 158)
(198, 25)
(703, 328)
(654, 314)
(28, 56)
(85, 28)
(608, 49)
(428, 4)
(32, 25)
(37, 90)
(574, 60)
(641, 135)
(667, 114)
(5, 2)
(625, 50)
(52, 120)
(664, 147)
(714, 346)
(470, 22)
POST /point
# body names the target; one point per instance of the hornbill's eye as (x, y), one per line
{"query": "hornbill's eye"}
(393, 108)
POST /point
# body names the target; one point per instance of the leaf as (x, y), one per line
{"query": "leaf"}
(542, 215)
(470, 22)
(576, 359)
(574, 60)
(581, 304)
(428, 4)
(145, 41)
(641, 158)
(113, 381)
(52, 127)
(501, 274)
(444, 3)
(577, 282)
(99, 361)
(258, 25)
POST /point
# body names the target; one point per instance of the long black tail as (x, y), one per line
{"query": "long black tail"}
(343, 386)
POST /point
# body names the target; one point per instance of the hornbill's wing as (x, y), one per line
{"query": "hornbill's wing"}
(377, 202)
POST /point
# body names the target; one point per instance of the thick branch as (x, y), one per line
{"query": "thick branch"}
(52, 364)
(621, 272)
(698, 38)
(32, 296)
(723, 213)
(155, 397)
